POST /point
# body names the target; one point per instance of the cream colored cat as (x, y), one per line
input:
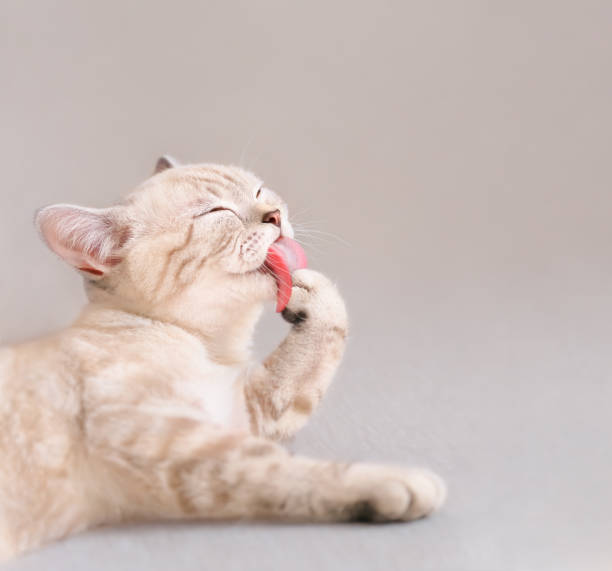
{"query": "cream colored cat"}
(148, 406)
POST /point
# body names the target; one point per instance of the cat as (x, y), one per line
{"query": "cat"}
(149, 406)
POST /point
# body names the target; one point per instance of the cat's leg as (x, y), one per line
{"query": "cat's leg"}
(282, 393)
(256, 478)
(175, 468)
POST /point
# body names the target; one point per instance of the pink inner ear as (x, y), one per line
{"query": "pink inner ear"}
(85, 238)
(92, 271)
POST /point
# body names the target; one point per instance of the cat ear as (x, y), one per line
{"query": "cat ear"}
(165, 162)
(86, 238)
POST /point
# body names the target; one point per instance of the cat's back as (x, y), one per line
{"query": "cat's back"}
(6, 358)
(38, 404)
(32, 371)
(39, 437)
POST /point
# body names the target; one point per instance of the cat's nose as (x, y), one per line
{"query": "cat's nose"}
(273, 217)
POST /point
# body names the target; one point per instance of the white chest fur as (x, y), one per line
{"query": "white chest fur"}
(217, 391)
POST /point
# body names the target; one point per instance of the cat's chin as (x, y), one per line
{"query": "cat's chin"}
(266, 285)
(258, 285)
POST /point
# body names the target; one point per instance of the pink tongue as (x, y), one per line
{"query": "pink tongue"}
(284, 257)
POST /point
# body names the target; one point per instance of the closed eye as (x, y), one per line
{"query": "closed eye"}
(216, 209)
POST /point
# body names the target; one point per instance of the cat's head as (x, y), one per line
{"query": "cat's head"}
(189, 236)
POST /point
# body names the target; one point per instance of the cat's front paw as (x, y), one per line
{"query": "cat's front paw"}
(394, 494)
(315, 300)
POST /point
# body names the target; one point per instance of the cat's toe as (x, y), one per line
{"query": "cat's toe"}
(427, 493)
(413, 495)
(307, 279)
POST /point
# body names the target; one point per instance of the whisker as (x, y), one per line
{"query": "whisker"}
(321, 235)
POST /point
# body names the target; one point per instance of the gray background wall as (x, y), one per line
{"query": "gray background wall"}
(459, 151)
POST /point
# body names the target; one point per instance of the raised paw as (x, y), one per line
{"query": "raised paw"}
(314, 299)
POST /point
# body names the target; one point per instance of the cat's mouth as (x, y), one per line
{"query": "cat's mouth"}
(284, 256)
